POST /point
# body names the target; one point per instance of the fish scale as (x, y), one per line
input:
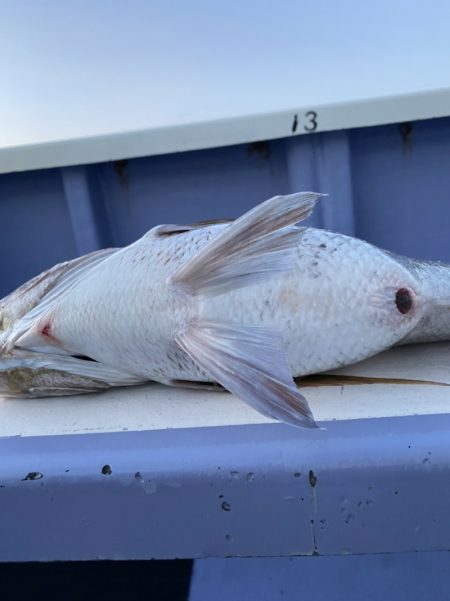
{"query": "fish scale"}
(327, 321)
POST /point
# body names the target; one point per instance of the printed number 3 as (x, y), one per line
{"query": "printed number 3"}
(312, 121)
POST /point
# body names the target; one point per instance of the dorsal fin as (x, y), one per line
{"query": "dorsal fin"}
(264, 240)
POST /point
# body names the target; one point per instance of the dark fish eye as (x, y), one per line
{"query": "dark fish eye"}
(403, 300)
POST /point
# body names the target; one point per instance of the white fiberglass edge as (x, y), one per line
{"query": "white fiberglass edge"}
(156, 407)
(224, 132)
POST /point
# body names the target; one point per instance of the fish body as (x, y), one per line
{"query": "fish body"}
(243, 304)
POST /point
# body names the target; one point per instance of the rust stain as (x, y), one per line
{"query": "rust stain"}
(338, 380)
(406, 135)
(121, 169)
(260, 149)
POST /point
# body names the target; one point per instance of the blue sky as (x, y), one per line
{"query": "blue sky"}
(87, 67)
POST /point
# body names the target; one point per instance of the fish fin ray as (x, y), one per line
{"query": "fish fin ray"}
(31, 293)
(249, 362)
(29, 374)
(263, 240)
(30, 305)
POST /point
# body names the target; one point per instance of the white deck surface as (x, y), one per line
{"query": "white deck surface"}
(156, 407)
(84, 82)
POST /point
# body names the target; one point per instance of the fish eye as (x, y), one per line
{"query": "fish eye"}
(403, 300)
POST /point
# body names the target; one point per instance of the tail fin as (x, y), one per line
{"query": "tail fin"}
(258, 243)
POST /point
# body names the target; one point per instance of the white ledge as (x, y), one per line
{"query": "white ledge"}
(182, 137)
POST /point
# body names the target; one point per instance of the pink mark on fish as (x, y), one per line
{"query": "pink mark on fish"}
(46, 330)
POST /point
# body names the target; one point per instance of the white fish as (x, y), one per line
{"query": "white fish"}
(247, 304)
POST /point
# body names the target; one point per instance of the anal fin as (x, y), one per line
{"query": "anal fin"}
(250, 363)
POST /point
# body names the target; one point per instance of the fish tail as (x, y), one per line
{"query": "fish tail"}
(434, 288)
(246, 359)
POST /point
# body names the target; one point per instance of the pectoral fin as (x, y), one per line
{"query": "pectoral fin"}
(26, 312)
(32, 293)
(25, 374)
(250, 363)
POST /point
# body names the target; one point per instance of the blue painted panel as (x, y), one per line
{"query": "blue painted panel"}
(36, 231)
(396, 577)
(183, 188)
(401, 182)
(86, 208)
(362, 486)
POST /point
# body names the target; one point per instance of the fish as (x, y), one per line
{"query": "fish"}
(247, 305)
